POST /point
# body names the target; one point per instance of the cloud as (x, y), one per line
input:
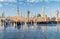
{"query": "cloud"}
(7, 0)
(33, 1)
(6, 3)
(20, 2)
(1, 0)
(36, 1)
(30, 0)
(1, 5)
(47, 7)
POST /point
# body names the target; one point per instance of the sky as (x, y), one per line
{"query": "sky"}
(34, 6)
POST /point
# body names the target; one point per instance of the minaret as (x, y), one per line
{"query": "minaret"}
(35, 17)
(50, 16)
(17, 13)
(3, 14)
(28, 13)
(21, 14)
(57, 19)
(43, 11)
(57, 15)
(35, 14)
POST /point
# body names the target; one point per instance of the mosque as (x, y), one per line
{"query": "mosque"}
(20, 18)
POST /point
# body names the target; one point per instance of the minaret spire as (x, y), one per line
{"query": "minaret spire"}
(43, 11)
